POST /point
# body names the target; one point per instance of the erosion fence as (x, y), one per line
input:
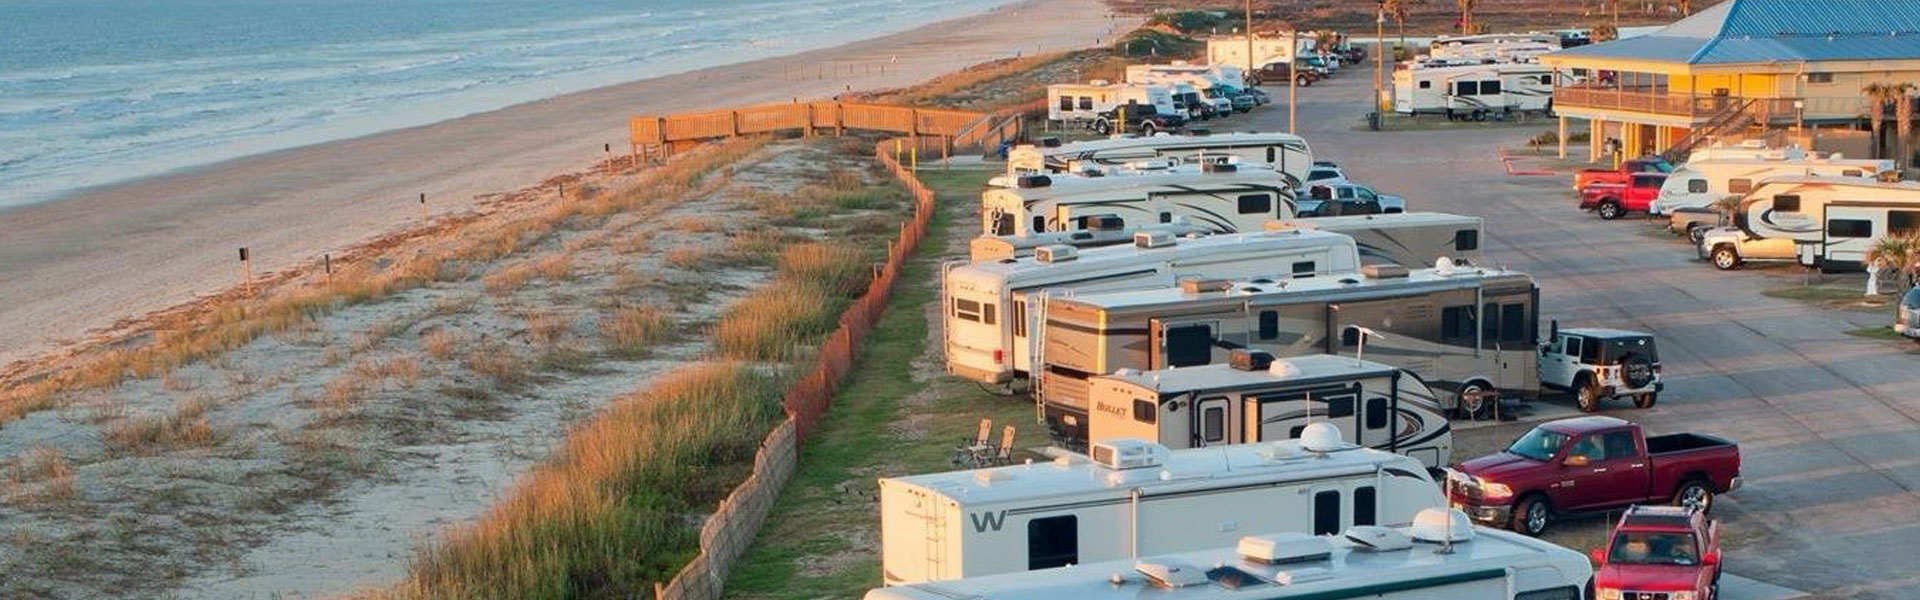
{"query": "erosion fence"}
(731, 529)
(954, 130)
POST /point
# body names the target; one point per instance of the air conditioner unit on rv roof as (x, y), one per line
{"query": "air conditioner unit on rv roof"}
(1123, 454)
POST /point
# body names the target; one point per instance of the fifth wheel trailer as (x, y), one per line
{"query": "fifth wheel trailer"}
(1410, 240)
(1223, 198)
(1473, 91)
(1824, 222)
(1285, 152)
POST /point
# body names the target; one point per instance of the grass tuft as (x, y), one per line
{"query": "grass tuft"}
(633, 331)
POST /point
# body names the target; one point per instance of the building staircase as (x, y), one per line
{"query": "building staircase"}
(1733, 118)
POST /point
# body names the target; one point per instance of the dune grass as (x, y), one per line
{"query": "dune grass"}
(633, 331)
(812, 283)
(607, 516)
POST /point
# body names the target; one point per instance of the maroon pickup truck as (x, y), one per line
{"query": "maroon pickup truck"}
(1591, 464)
(1649, 164)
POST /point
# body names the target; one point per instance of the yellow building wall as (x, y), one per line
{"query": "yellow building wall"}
(1746, 86)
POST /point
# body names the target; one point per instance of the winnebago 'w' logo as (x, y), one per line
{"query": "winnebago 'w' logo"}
(985, 520)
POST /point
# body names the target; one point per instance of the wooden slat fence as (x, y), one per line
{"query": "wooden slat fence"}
(963, 130)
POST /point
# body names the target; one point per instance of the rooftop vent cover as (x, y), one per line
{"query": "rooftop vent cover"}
(1170, 573)
(1284, 548)
(1196, 286)
(1249, 360)
(1154, 239)
(1033, 181)
(1374, 538)
(1055, 254)
(1383, 271)
(1125, 454)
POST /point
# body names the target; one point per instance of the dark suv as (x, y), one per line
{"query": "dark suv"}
(1140, 118)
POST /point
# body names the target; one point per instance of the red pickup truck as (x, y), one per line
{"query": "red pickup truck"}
(1590, 464)
(1648, 164)
(1615, 200)
(1659, 552)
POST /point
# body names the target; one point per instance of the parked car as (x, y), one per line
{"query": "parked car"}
(1324, 173)
(1140, 118)
(1592, 463)
(1694, 222)
(1278, 72)
(1649, 164)
(1595, 364)
(1260, 96)
(1659, 552)
(1334, 198)
(1244, 102)
(1906, 320)
(1614, 200)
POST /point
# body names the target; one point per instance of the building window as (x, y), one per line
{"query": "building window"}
(1376, 412)
(1144, 411)
(1326, 512)
(1739, 186)
(1696, 186)
(1849, 228)
(1269, 324)
(1819, 78)
(1053, 542)
(1189, 345)
(1254, 204)
(1303, 269)
(1786, 203)
(1364, 506)
(1466, 239)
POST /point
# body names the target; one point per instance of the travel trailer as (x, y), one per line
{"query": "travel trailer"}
(1101, 234)
(1407, 239)
(1259, 398)
(1284, 152)
(990, 304)
(1233, 50)
(1824, 222)
(1224, 198)
(1425, 321)
(1702, 181)
(1136, 498)
(1441, 556)
(1083, 103)
(1473, 91)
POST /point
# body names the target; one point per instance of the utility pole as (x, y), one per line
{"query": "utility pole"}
(1251, 64)
(1293, 74)
(1380, 57)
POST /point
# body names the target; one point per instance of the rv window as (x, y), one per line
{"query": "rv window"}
(1039, 224)
(1364, 506)
(1326, 512)
(1786, 203)
(1303, 269)
(1254, 204)
(1020, 319)
(1490, 87)
(1513, 323)
(1086, 103)
(966, 309)
(1340, 407)
(1466, 88)
(1066, 103)
(1271, 151)
(986, 313)
(1901, 222)
(1213, 424)
(1376, 412)
(1456, 323)
(1269, 324)
(1166, 217)
(1189, 345)
(1426, 85)
(1490, 326)
(1849, 228)
(1143, 411)
(1739, 186)
(1053, 542)
(1466, 239)
(1696, 186)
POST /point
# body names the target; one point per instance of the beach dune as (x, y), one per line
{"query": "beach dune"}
(79, 264)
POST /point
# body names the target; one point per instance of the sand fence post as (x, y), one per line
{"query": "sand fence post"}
(246, 272)
(423, 207)
(326, 262)
(608, 149)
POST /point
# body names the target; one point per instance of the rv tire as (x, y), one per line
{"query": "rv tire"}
(1480, 115)
(1725, 258)
(1646, 400)
(1610, 210)
(1531, 515)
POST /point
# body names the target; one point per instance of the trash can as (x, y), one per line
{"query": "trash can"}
(1373, 121)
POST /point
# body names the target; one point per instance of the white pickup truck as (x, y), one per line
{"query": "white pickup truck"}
(1596, 364)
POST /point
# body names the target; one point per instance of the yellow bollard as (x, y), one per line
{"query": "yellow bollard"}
(913, 158)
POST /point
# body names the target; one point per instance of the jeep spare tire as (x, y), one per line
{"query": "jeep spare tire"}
(1636, 371)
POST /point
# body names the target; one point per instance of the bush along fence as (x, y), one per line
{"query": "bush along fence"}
(734, 524)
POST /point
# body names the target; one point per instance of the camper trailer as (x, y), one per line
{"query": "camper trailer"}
(1441, 556)
(1136, 498)
(1426, 321)
(1224, 198)
(1824, 222)
(1259, 398)
(1284, 152)
(1702, 181)
(1084, 104)
(1213, 84)
(1100, 235)
(1492, 45)
(989, 305)
(1407, 239)
(1473, 91)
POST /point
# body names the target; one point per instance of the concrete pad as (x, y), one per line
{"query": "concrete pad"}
(1735, 587)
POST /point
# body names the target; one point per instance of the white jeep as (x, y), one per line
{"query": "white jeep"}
(1596, 364)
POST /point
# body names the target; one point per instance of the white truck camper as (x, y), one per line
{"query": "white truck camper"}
(1410, 240)
(1475, 92)
(1822, 222)
(1284, 152)
(1223, 198)
(1441, 556)
(991, 306)
(1258, 398)
(1135, 498)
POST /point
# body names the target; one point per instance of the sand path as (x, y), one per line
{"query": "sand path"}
(78, 264)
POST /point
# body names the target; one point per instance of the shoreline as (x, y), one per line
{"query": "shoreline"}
(101, 257)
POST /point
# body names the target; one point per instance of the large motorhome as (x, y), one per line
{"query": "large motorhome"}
(1426, 321)
(1440, 557)
(1702, 181)
(1473, 91)
(1410, 240)
(1258, 398)
(1284, 152)
(1135, 498)
(1824, 222)
(1069, 103)
(1099, 235)
(1224, 198)
(989, 306)
(1494, 45)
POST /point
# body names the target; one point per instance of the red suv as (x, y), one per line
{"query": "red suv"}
(1614, 200)
(1659, 552)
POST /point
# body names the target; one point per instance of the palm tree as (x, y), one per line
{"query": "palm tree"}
(1466, 15)
(1604, 33)
(1398, 9)
(1878, 95)
(1903, 119)
(1727, 206)
(1887, 254)
(1686, 7)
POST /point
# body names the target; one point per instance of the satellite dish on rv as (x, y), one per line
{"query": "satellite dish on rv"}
(1443, 266)
(1441, 525)
(1322, 437)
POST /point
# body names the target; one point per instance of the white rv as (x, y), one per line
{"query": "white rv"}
(1473, 91)
(990, 304)
(1224, 198)
(1085, 103)
(996, 247)
(1407, 239)
(1135, 498)
(1285, 152)
(1258, 398)
(1427, 321)
(1824, 222)
(1211, 83)
(1511, 46)
(1702, 181)
(1440, 557)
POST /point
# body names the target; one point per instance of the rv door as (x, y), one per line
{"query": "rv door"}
(1209, 422)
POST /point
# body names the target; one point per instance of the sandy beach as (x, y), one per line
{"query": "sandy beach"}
(78, 264)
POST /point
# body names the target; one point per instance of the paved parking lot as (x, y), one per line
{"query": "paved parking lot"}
(1829, 424)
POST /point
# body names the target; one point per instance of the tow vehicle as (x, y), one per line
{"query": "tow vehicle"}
(1596, 364)
(1649, 164)
(1614, 200)
(1670, 552)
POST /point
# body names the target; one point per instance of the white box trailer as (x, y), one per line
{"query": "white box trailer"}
(1085, 103)
(990, 306)
(1702, 181)
(1134, 498)
(1259, 398)
(1284, 152)
(1224, 198)
(1823, 222)
(1441, 556)
(1410, 240)
(1473, 91)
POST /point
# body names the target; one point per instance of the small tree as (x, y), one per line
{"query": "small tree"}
(1727, 206)
(1887, 254)
(1878, 95)
(1398, 9)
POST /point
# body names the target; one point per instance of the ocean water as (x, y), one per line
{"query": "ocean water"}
(98, 91)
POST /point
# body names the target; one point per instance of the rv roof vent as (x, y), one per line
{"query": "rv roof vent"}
(1199, 131)
(1054, 254)
(1170, 573)
(1283, 369)
(1386, 271)
(1284, 548)
(1154, 239)
(1198, 286)
(1322, 437)
(1098, 82)
(1243, 359)
(1049, 142)
(1123, 454)
(988, 476)
(1436, 525)
(1218, 167)
(1374, 538)
(1033, 181)
(1753, 144)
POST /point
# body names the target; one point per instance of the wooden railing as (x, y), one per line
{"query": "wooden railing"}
(662, 133)
(1669, 104)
